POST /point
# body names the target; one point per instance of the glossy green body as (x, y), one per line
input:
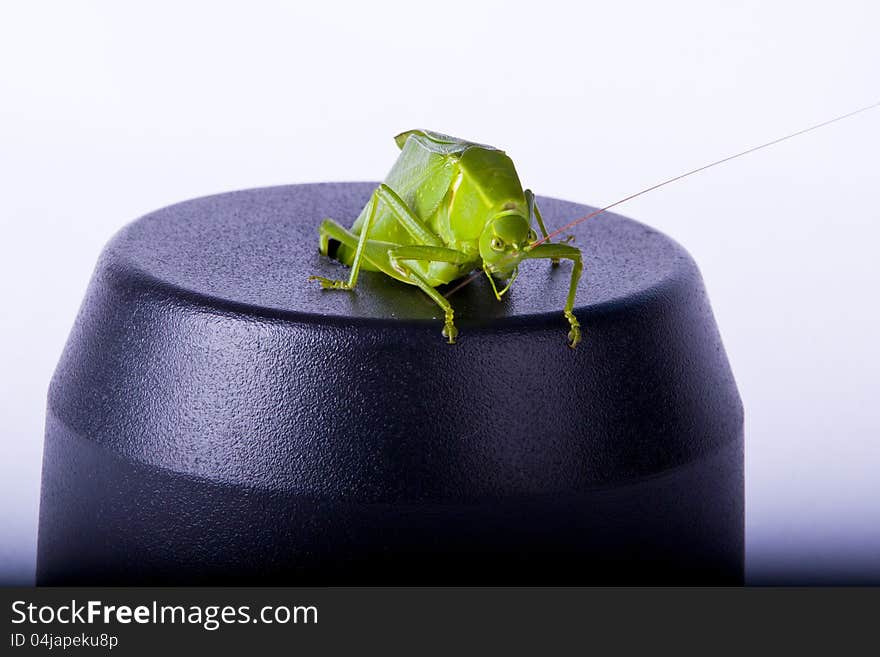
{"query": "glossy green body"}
(447, 207)
(455, 188)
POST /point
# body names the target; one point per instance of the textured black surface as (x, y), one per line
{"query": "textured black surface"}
(215, 417)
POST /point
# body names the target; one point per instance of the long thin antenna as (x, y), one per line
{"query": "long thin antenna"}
(595, 213)
(574, 223)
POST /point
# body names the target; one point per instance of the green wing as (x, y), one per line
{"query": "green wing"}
(437, 142)
(421, 177)
(423, 173)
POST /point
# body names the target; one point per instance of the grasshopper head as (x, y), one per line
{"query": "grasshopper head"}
(503, 242)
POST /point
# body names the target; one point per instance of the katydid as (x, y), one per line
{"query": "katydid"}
(450, 206)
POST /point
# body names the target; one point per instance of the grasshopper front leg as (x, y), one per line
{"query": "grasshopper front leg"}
(569, 253)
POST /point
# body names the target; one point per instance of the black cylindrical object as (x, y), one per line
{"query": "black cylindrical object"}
(216, 418)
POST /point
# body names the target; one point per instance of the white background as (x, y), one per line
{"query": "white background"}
(110, 110)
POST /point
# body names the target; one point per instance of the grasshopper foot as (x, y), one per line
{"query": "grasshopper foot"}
(574, 335)
(449, 330)
(330, 284)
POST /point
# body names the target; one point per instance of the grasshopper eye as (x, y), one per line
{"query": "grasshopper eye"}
(497, 244)
(533, 236)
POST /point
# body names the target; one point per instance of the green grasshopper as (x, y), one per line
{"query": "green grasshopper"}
(448, 207)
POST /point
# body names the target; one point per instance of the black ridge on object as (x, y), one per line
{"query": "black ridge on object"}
(215, 418)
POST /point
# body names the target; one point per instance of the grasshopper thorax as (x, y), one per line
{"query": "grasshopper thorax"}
(504, 241)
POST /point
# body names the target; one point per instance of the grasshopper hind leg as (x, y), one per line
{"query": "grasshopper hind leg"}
(392, 259)
(330, 236)
(330, 229)
(327, 246)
